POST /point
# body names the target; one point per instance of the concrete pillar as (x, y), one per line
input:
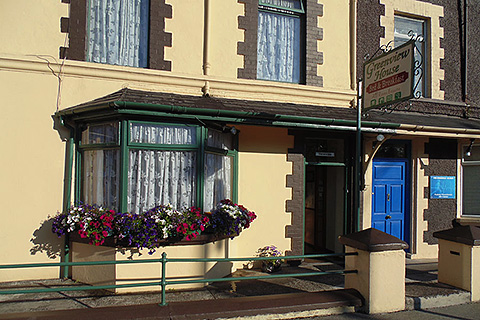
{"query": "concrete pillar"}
(380, 263)
(459, 258)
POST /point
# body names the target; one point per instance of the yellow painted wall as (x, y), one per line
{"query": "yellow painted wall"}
(224, 60)
(31, 172)
(263, 169)
(186, 27)
(335, 44)
(31, 27)
(134, 273)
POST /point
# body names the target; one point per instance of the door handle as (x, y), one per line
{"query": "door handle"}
(388, 196)
(388, 217)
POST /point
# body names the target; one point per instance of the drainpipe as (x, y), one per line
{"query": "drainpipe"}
(358, 159)
(465, 51)
(67, 187)
(206, 43)
(353, 44)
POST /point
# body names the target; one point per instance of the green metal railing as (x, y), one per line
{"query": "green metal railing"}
(163, 281)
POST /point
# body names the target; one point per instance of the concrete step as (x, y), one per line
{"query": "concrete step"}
(277, 306)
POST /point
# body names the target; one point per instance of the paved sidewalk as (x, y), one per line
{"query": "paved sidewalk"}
(276, 297)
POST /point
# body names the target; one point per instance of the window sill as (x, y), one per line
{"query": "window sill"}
(116, 243)
(469, 221)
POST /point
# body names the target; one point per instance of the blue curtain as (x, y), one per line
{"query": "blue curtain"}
(278, 47)
(117, 32)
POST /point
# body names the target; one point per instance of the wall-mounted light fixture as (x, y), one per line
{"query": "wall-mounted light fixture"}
(379, 138)
(468, 153)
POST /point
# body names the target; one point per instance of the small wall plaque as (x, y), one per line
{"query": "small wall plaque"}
(442, 187)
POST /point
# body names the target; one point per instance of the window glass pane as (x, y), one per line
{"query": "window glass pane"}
(101, 177)
(161, 177)
(218, 179)
(402, 27)
(102, 133)
(288, 4)
(220, 140)
(471, 190)
(278, 45)
(117, 32)
(161, 134)
(392, 151)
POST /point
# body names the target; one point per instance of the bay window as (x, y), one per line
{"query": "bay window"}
(134, 166)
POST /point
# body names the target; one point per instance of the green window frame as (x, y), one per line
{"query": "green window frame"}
(198, 147)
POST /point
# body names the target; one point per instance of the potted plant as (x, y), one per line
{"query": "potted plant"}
(272, 265)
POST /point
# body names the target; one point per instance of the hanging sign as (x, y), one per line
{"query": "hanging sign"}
(442, 187)
(389, 78)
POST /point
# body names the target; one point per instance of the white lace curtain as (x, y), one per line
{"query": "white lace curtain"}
(218, 180)
(161, 177)
(161, 134)
(278, 47)
(101, 178)
(117, 32)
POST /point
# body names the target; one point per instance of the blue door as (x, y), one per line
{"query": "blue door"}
(389, 196)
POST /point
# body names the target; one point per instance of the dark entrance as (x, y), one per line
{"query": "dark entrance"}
(315, 209)
(325, 195)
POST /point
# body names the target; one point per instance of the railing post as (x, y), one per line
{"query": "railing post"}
(163, 302)
(381, 269)
(459, 258)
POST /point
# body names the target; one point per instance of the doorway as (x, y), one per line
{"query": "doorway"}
(315, 209)
(324, 208)
(390, 186)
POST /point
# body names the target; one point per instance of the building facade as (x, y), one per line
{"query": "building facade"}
(434, 153)
(137, 103)
(254, 76)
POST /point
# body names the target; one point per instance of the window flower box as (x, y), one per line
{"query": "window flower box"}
(114, 242)
(158, 227)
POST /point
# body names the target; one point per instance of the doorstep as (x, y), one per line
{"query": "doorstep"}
(287, 305)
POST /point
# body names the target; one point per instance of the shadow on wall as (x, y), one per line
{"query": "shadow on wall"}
(45, 241)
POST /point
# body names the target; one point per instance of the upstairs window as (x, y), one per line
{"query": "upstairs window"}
(117, 32)
(279, 52)
(416, 27)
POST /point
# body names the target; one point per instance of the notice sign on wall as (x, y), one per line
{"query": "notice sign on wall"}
(442, 187)
(389, 78)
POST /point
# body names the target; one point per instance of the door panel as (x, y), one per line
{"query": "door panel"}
(396, 199)
(395, 228)
(380, 202)
(388, 198)
(380, 225)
